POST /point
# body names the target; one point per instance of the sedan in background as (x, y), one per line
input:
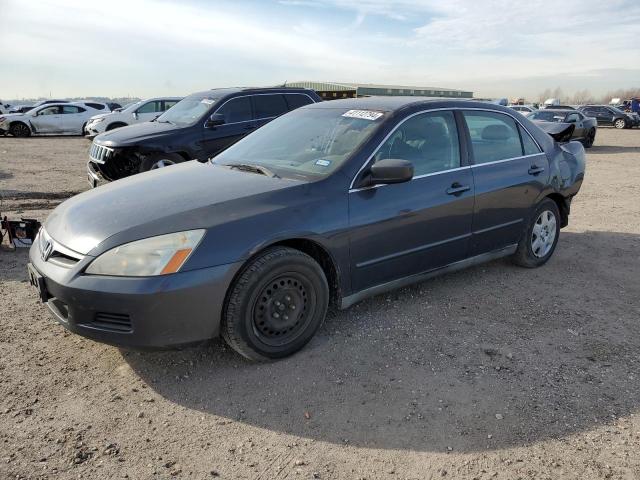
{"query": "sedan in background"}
(142, 111)
(584, 127)
(523, 109)
(327, 204)
(50, 118)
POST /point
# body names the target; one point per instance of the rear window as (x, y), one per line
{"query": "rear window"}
(297, 100)
(494, 136)
(268, 106)
(529, 146)
(97, 106)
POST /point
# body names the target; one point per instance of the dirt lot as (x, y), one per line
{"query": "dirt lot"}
(494, 372)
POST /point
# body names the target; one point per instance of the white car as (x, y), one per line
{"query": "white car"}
(143, 111)
(50, 118)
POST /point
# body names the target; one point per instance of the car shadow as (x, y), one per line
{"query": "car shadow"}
(492, 357)
(13, 264)
(609, 149)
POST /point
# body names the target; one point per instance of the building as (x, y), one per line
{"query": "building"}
(334, 91)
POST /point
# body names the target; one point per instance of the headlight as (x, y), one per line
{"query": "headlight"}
(159, 255)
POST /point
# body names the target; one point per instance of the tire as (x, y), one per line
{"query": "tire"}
(620, 123)
(538, 243)
(19, 129)
(159, 160)
(589, 139)
(276, 304)
(114, 125)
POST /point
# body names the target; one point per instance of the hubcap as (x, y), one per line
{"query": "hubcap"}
(161, 164)
(619, 124)
(281, 311)
(543, 234)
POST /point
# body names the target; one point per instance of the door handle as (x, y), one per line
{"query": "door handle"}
(535, 170)
(457, 189)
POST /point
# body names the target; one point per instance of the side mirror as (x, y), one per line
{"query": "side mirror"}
(214, 120)
(389, 171)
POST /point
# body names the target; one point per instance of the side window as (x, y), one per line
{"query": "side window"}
(66, 109)
(295, 100)
(428, 140)
(168, 104)
(494, 136)
(97, 106)
(149, 107)
(236, 110)
(573, 118)
(50, 111)
(528, 144)
(268, 106)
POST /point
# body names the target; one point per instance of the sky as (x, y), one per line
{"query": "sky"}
(142, 48)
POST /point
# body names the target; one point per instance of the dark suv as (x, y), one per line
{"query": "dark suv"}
(198, 127)
(607, 115)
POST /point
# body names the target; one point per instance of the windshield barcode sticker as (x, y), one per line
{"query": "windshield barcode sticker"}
(207, 101)
(363, 114)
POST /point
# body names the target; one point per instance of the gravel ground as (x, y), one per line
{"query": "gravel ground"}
(493, 372)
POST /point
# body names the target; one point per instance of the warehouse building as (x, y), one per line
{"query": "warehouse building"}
(334, 91)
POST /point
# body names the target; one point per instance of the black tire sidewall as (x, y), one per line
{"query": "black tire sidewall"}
(18, 125)
(239, 318)
(524, 255)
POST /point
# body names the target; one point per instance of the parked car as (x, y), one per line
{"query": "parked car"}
(607, 115)
(20, 108)
(48, 118)
(197, 127)
(584, 127)
(559, 107)
(139, 112)
(4, 107)
(332, 202)
(524, 109)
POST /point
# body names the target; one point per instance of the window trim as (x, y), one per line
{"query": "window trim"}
(471, 164)
(255, 95)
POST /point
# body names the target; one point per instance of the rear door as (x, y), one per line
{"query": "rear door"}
(238, 117)
(509, 172)
(409, 228)
(73, 118)
(48, 120)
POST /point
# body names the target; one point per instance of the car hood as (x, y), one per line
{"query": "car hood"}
(13, 115)
(132, 134)
(182, 197)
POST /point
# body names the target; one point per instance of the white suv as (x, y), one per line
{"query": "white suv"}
(143, 111)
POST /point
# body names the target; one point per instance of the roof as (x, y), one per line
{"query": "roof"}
(388, 104)
(221, 92)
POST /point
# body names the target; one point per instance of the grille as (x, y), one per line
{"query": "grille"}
(112, 322)
(99, 153)
(51, 251)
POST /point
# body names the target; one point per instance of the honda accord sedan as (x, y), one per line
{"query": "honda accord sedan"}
(327, 204)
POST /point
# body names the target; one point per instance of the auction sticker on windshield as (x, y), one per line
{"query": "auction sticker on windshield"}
(363, 114)
(207, 101)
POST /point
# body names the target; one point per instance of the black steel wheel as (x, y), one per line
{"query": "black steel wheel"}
(276, 304)
(19, 129)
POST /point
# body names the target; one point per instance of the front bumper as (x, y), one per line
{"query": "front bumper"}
(140, 313)
(93, 175)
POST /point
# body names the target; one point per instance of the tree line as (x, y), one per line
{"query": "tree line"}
(581, 97)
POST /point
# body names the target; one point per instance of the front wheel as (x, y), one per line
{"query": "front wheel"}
(539, 240)
(276, 305)
(19, 129)
(159, 160)
(620, 123)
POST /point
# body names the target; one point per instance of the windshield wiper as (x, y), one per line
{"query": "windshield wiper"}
(253, 168)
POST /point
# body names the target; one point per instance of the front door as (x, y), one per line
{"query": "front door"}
(404, 229)
(509, 171)
(48, 120)
(238, 121)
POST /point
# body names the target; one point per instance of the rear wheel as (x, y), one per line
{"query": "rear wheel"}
(620, 123)
(276, 305)
(159, 160)
(19, 129)
(539, 240)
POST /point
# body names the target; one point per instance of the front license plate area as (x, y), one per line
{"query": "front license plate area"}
(37, 281)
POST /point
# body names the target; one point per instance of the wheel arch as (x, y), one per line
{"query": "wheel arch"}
(116, 124)
(315, 250)
(563, 207)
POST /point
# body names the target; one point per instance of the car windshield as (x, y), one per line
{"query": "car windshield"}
(547, 116)
(187, 111)
(308, 143)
